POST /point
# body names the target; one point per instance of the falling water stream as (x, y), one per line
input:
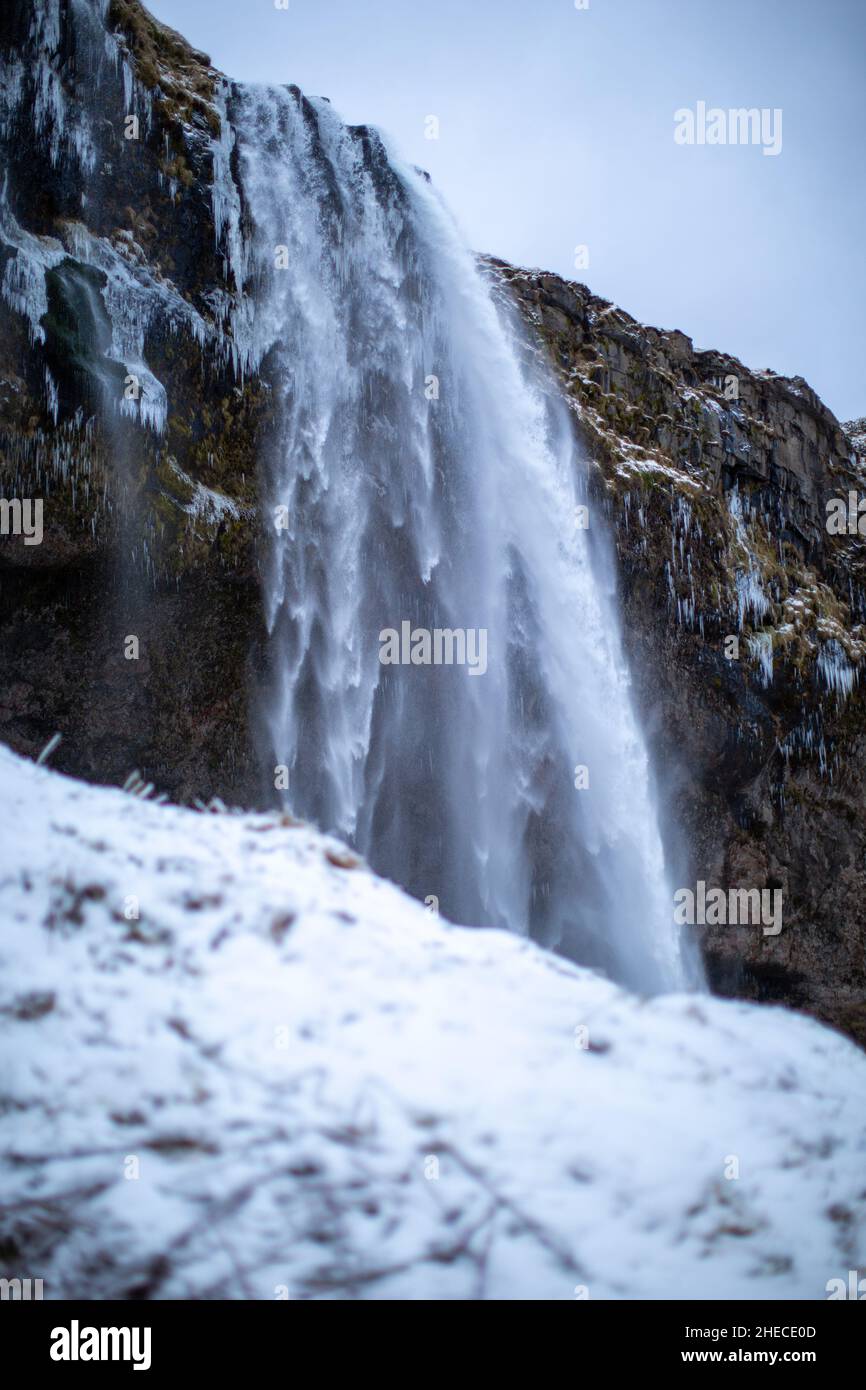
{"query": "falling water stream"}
(423, 469)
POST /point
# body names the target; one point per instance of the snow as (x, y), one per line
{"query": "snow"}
(288, 1046)
(206, 504)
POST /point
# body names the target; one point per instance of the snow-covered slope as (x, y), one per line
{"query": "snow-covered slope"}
(326, 1092)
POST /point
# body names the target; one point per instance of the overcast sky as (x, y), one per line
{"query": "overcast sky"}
(556, 130)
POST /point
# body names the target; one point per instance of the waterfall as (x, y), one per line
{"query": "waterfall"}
(423, 470)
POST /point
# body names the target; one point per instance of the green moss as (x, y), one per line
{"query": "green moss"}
(164, 59)
(178, 169)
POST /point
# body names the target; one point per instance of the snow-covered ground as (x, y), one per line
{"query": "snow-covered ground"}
(285, 1078)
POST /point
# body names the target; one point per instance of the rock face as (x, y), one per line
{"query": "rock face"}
(717, 481)
(124, 404)
(129, 407)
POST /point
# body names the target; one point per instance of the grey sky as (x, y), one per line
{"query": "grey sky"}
(556, 130)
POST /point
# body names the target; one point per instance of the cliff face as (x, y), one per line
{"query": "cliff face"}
(125, 405)
(132, 405)
(717, 481)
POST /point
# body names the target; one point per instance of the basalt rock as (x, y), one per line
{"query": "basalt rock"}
(124, 405)
(130, 402)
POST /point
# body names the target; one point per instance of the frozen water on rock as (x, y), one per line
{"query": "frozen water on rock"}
(134, 296)
(761, 647)
(835, 669)
(23, 286)
(752, 601)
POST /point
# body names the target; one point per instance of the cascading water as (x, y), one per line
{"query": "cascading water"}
(423, 469)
